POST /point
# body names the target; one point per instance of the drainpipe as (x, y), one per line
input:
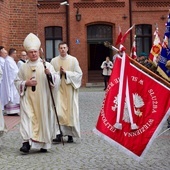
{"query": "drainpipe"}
(67, 23)
(130, 20)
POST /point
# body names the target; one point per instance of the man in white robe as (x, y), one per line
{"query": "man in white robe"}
(67, 96)
(22, 59)
(3, 55)
(38, 119)
(9, 93)
(2, 123)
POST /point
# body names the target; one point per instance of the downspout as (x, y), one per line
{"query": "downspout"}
(67, 23)
(130, 20)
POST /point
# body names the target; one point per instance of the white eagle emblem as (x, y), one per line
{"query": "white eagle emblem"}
(138, 103)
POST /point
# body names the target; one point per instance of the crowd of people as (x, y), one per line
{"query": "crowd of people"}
(43, 94)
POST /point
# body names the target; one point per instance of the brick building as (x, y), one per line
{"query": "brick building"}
(97, 21)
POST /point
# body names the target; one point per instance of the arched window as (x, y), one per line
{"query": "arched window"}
(53, 36)
(143, 38)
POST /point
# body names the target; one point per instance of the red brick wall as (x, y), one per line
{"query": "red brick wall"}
(111, 12)
(99, 13)
(150, 12)
(23, 20)
(4, 23)
(20, 17)
(50, 15)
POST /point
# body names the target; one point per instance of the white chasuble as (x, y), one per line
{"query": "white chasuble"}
(38, 119)
(67, 96)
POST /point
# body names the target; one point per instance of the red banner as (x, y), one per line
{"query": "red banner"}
(151, 102)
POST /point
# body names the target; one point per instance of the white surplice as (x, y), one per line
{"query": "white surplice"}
(38, 119)
(9, 94)
(2, 61)
(2, 123)
(67, 96)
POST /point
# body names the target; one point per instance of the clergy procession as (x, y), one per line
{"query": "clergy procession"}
(44, 95)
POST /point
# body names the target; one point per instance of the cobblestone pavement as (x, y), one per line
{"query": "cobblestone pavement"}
(88, 153)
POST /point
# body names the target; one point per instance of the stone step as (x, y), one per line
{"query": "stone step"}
(95, 84)
(95, 76)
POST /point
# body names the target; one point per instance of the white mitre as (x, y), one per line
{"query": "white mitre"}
(31, 42)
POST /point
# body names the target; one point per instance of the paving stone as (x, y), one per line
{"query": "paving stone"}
(88, 153)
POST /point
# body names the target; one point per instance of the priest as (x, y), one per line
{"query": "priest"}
(3, 55)
(67, 97)
(2, 123)
(9, 93)
(38, 119)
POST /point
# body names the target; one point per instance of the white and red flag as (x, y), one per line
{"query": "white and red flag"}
(133, 53)
(119, 38)
(154, 55)
(126, 34)
(133, 110)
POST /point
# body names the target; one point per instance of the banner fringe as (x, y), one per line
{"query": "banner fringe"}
(128, 152)
(117, 145)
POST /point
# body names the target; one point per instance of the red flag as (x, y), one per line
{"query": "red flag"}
(156, 48)
(140, 122)
(119, 36)
(133, 53)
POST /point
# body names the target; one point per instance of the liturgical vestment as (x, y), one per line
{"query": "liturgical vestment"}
(9, 93)
(2, 61)
(38, 119)
(2, 123)
(67, 96)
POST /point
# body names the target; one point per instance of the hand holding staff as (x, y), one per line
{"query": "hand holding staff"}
(48, 74)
